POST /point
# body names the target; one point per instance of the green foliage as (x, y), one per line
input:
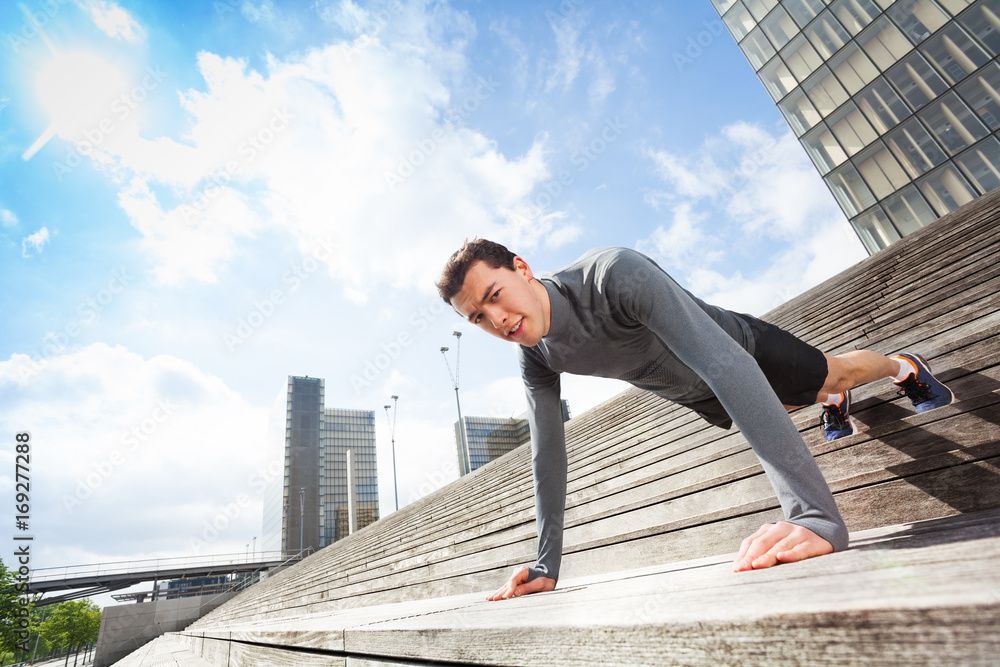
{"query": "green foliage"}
(72, 623)
(9, 610)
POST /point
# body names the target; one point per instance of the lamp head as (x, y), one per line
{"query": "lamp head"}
(444, 349)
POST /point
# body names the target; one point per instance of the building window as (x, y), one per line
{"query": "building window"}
(882, 106)
(954, 53)
(982, 93)
(952, 123)
(722, 6)
(916, 80)
(777, 79)
(881, 171)
(825, 91)
(823, 148)
(779, 27)
(803, 11)
(852, 130)
(955, 6)
(799, 112)
(739, 21)
(981, 164)
(853, 68)
(884, 44)
(917, 18)
(826, 34)
(854, 15)
(908, 211)
(984, 23)
(875, 230)
(852, 193)
(946, 190)
(760, 8)
(914, 148)
(801, 58)
(757, 49)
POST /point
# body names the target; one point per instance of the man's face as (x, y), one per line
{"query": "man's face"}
(508, 304)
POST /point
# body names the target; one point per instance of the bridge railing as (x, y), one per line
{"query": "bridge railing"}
(156, 564)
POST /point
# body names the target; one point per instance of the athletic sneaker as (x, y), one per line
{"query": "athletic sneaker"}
(836, 419)
(922, 388)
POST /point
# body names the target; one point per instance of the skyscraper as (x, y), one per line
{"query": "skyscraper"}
(311, 505)
(895, 101)
(490, 438)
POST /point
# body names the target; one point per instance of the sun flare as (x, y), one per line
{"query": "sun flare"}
(76, 89)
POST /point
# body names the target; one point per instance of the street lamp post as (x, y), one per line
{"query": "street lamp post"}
(454, 379)
(392, 435)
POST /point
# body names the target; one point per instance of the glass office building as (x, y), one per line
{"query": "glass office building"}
(490, 438)
(347, 431)
(897, 103)
(309, 504)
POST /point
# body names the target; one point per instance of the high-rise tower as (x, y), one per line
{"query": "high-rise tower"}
(329, 483)
(897, 103)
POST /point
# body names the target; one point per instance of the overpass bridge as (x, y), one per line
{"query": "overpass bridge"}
(81, 581)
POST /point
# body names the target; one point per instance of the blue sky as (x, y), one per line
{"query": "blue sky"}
(198, 199)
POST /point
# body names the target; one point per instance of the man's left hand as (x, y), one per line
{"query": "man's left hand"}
(780, 542)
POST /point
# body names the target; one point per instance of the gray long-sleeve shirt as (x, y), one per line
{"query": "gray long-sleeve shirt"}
(615, 313)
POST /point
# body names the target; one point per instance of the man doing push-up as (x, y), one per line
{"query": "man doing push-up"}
(615, 313)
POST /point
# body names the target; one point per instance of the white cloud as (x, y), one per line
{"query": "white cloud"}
(347, 140)
(569, 51)
(748, 193)
(7, 218)
(685, 243)
(33, 244)
(132, 454)
(255, 13)
(112, 19)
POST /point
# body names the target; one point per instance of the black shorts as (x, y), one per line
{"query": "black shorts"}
(795, 370)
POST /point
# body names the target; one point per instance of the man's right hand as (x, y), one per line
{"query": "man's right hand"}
(519, 585)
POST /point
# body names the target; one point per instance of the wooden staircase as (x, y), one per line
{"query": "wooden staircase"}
(658, 501)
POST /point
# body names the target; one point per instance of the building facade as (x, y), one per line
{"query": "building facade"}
(347, 433)
(490, 438)
(897, 102)
(312, 503)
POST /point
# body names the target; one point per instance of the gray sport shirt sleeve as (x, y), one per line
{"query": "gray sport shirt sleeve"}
(643, 295)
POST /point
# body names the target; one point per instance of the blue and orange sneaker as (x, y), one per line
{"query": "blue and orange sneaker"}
(836, 419)
(922, 388)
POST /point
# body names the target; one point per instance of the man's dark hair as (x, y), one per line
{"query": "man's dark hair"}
(453, 276)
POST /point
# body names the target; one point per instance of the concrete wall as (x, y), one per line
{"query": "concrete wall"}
(126, 627)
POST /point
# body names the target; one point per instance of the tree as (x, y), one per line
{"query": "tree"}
(72, 623)
(10, 610)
